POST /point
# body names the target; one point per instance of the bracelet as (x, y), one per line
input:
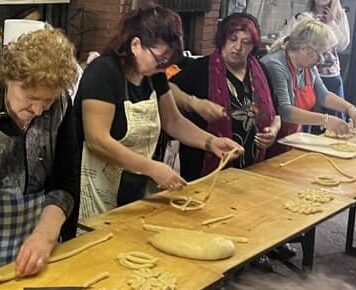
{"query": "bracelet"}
(208, 142)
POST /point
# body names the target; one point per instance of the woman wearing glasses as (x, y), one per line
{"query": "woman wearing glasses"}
(296, 83)
(122, 102)
(332, 14)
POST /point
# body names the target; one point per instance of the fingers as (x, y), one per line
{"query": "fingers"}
(264, 140)
(211, 111)
(29, 263)
(174, 183)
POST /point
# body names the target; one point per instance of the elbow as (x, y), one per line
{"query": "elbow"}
(284, 113)
(96, 144)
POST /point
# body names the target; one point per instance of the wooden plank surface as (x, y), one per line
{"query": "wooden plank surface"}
(304, 171)
(77, 270)
(255, 201)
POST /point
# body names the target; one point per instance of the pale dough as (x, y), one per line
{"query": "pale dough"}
(344, 147)
(193, 244)
(147, 279)
(137, 260)
(309, 201)
(185, 203)
(315, 195)
(331, 134)
(325, 180)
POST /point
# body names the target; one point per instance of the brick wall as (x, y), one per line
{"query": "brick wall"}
(206, 27)
(91, 23)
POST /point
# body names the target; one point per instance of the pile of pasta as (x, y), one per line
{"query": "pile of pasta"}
(309, 201)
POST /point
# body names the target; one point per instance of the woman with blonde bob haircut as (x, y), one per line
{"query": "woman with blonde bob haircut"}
(297, 86)
(333, 15)
(38, 153)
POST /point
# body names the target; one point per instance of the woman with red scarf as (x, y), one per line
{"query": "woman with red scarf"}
(228, 94)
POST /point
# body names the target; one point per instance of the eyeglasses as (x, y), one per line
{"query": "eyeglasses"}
(161, 62)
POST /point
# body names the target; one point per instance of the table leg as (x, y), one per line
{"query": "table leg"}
(308, 243)
(350, 249)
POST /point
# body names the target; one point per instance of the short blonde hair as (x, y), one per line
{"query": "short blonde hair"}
(44, 57)
(310, 32)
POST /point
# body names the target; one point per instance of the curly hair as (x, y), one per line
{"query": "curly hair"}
(44, 57)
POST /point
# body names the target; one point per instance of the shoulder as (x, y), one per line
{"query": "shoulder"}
(192, 69)
(275, 60)
(103, 66)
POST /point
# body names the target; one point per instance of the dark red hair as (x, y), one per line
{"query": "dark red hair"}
(238, 22)
(151, 26)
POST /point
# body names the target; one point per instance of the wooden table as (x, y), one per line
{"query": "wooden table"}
(303, 171)
(255, 200)
(77, 270)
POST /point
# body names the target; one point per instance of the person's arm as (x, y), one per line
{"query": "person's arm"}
(35, 251)
(341, 30)
(267, 137)
(337, 103)
(189, 134)
(62, 189)
(97, 120)
(208, 110)
(280, 80)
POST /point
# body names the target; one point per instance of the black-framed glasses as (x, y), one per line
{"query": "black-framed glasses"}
(161, 62)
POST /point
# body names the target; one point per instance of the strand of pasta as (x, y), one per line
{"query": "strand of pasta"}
(185, 203)
(217, 219)
(12, 276)
(96, 279)
(323, 180)
(80, 249)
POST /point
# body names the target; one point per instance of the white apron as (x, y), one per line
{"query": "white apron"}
(100, 180)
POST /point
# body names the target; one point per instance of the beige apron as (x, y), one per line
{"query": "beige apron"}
(100, 180)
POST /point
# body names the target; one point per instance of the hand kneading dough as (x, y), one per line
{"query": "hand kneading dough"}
(193, 244)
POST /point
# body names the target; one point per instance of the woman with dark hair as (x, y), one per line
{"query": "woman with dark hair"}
(122, 102)
(228, 94)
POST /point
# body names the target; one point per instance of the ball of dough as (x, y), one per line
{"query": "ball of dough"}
(193, 244)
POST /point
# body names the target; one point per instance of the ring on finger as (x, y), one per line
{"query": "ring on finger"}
(40, 261)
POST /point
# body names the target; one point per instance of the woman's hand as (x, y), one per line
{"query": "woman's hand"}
(327, 15)
(337, 125)
(166, 177)
(34, 254)
(208, 110)
(220, 146)
(351, 111)
(266, 138)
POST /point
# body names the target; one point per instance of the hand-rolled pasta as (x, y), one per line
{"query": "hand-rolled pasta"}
(193, 244)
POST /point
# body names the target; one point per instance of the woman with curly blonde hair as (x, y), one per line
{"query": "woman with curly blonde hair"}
(38, 153)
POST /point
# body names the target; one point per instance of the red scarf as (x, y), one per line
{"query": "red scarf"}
(219, 94)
